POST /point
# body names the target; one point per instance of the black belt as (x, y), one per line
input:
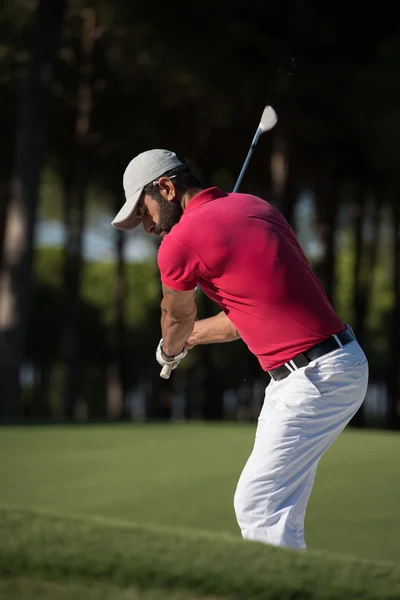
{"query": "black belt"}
(302, 360)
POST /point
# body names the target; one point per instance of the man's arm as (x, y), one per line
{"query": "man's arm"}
(178, 314)
(213, 330)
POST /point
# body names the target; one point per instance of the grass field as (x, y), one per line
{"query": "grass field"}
(75, 497)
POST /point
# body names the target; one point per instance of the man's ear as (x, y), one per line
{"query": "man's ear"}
(167, 188)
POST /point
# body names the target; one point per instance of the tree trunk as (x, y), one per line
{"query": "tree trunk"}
(283, 191)
(279, 168)
(4, 199)
(117, 370)
(30, 145)
(394, 356)
(372, 249)
(75, 215)
(359, 300)
(359, 304)
(365, 259)
(327, 208)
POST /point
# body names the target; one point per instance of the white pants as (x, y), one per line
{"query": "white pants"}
(302, 415)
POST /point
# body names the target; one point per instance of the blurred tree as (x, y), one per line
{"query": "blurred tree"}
(336, 90)
(394, 360)
(378, 125)
(13, 19)
(75, 205)
(97, 349)
(118, 367)
(43, 342)
(367, 231)
(30, 141)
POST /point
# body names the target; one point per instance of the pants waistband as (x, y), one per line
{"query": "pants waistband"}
(335, 341)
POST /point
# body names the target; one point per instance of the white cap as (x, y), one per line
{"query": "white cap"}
(142, 170)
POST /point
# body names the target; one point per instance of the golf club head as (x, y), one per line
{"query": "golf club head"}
(268, 120)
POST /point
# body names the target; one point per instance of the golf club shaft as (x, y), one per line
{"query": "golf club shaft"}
(246, 162)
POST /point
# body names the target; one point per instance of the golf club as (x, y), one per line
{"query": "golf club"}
(268, 120)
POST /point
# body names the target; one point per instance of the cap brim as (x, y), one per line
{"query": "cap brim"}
(126, 219)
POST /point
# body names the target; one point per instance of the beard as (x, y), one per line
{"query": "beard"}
(170, 214)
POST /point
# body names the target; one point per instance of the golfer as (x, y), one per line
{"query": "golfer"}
(244, 255)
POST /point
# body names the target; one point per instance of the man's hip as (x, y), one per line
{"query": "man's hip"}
(328, 383)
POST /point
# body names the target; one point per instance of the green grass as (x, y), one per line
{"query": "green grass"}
(132, 512)
(185, 475)
(34, 588)
(54, 548)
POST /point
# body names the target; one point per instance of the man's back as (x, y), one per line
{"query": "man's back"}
(245, 256)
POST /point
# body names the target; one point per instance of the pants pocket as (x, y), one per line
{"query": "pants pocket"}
(343, 382)
(299, 394)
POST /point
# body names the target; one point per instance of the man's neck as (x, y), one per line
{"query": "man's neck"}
(188, 195)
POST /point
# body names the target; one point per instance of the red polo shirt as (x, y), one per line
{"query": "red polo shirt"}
(244, 255)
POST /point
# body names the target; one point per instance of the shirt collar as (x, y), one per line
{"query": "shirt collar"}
(205, 196)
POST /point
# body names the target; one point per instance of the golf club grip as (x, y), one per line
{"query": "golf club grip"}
(166, 372)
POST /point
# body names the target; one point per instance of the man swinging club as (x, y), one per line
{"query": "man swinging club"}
(244, 255)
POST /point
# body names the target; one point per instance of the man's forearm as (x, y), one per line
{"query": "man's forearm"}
(213, 330)
(175, 332)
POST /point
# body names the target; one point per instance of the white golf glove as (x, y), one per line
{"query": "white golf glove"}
(171, 361)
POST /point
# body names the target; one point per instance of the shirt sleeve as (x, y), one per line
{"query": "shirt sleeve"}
(180, 267)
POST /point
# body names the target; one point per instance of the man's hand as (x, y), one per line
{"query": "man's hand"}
(190, 343)
(172, 361)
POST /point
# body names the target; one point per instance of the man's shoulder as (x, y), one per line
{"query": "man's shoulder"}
(174, 242)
